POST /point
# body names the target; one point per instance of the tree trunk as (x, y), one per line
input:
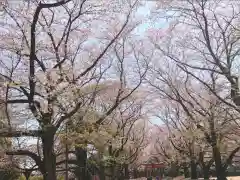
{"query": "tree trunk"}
(110, 172)
(135, 174)
(206, 172)
(220, 171)
(186, 172)
(193, 166)
(222, 175)
(102, 172)
(49, 157)
(126, 171)
(173, 170)
(81, 170)
(119, 172)
(27, 174)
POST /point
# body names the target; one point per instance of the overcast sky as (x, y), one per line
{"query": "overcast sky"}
(146, 25)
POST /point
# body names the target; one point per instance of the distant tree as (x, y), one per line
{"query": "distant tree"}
(202, 42)
(50, 53)
(195, 118)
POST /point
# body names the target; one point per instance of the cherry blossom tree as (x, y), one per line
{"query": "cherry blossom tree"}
(195, 117)
(56, 61)
(117, 142)
(202, 41)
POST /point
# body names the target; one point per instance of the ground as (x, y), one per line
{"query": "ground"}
(182, 178)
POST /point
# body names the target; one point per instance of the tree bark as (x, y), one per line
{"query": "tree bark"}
(119, 172)
(193, 166)
(110, 172)
(126, 171)
(173, 170)
(186, 172)
(222, 175)
(102, 172)
(27, 174)
(135, 174)
(81, 171)
(220, 170)
(206, 172)
(49, 157)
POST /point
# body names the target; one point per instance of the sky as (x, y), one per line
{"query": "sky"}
(149, 24)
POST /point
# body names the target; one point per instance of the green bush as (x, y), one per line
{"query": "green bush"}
(31, 178)
(21, 178)
(9, 174)
(61, 178)
(36, 178)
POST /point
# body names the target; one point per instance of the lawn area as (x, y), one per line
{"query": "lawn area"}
(182, 178)
(213, 178)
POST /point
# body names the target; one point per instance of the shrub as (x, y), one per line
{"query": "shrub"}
(37, 178)
(9, 174)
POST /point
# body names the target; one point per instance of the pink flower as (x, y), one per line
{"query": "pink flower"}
(156, 33)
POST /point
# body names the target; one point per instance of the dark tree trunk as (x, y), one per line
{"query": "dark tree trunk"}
(173, 170)
(102, 172)
(206, 172)
(81, 170)
(119, 172)
(220, 171)
(186, 172)
(49, 157)
(27, 174)
(219, 166)
(112, 172)
(206, 175)
(193, 166)
(135, 174)
(126, 171)
(222, 175)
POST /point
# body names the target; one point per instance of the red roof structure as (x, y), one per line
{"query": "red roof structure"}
(153, 165)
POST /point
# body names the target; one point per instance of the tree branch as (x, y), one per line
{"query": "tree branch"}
(31, 133)
(106, 48)
(230, 157)
(30, 154)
